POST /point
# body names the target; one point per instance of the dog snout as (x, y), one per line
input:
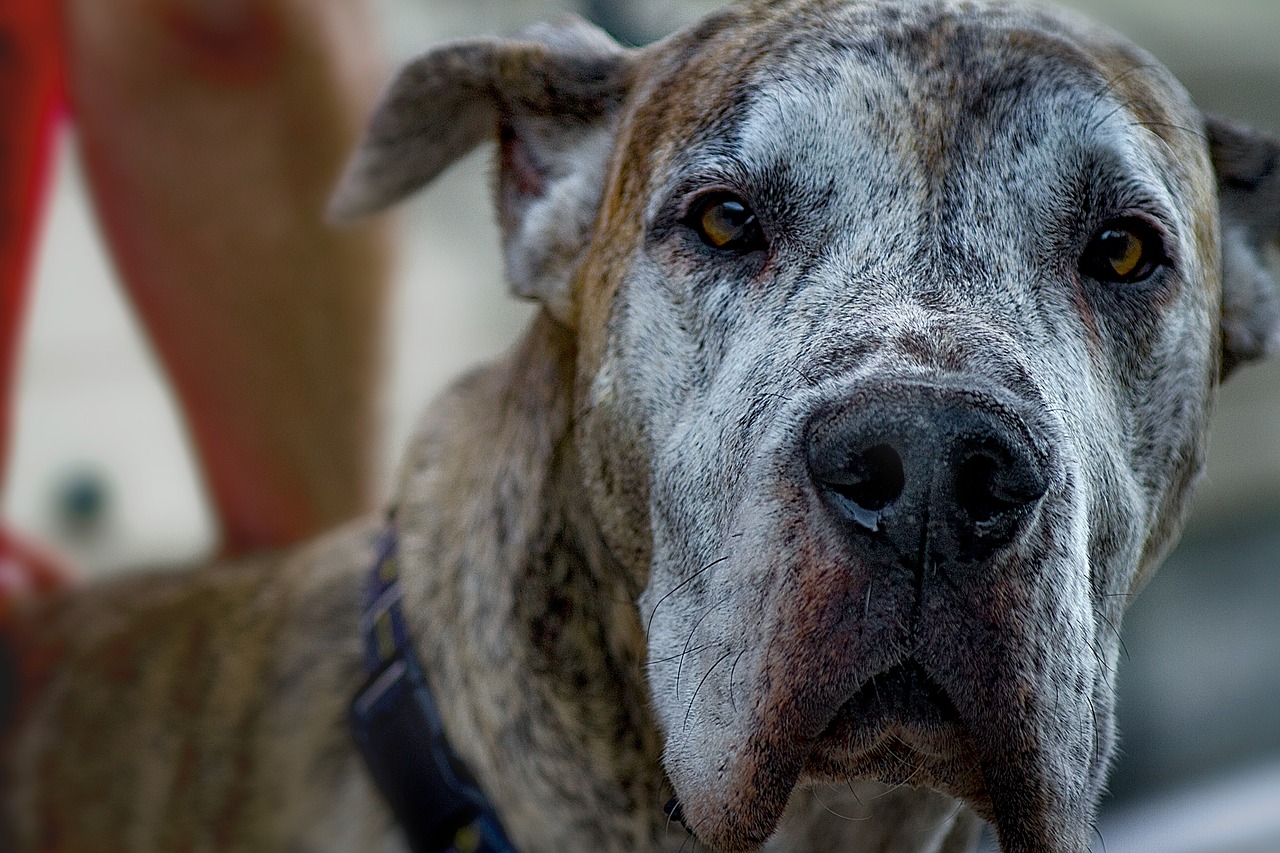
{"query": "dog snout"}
(940, 473)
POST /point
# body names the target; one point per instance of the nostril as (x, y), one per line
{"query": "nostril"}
(987, 486)
(872, 479)
(976, 491)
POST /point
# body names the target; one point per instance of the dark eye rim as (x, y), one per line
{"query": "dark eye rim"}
(755, 240)
(1155, 250)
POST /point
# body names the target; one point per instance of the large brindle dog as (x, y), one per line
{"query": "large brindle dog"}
(877, 346)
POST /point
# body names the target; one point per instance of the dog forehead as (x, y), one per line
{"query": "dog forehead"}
(942, 55)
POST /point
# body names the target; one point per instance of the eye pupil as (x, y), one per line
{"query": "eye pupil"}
(1122, 253)
(727, 223)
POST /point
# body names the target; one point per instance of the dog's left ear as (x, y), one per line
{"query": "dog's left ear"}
(1248, 167)
(550, 97)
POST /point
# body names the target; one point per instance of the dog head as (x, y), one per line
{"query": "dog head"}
(898, 329)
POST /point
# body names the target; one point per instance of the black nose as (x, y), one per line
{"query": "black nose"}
(921, 467)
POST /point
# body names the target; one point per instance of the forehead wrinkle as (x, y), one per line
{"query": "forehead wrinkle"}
(965, 56)
(1125, 169)
(814, 144)
(970, 59)
(715, 164)
(1039, 118)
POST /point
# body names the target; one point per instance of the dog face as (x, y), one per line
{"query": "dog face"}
(898, 327)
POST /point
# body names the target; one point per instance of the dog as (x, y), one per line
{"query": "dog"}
(876, 350)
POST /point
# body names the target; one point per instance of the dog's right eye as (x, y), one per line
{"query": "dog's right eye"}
(723, 221)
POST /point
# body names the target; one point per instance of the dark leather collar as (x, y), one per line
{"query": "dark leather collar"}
(398, 731)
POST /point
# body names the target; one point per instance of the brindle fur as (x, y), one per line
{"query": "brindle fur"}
(614, 574)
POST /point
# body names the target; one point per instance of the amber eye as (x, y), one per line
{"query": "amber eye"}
(1123, 252)
(724, 221)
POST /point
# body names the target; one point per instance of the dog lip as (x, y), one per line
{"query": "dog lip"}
(903, 694)
(900, 727)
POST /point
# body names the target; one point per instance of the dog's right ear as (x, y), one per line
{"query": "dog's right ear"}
(551, 98)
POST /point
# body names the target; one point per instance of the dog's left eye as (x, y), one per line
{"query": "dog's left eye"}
(724, 221)
(1123, 252)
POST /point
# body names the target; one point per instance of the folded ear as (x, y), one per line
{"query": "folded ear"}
(1248, 166)
(551, 97)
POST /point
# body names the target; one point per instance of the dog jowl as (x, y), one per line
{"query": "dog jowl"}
(877, 350)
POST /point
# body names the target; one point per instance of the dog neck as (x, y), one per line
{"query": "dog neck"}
(525, 616)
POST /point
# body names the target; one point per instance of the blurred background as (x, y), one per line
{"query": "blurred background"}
(100, 465)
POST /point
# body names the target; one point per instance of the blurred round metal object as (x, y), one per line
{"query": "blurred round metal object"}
(82, 501)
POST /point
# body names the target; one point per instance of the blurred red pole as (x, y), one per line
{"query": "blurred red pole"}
(32, 99)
